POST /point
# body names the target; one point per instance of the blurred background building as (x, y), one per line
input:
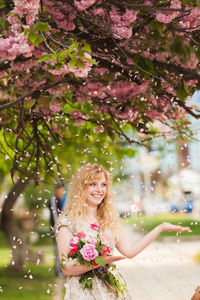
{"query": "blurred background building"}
(166, 180)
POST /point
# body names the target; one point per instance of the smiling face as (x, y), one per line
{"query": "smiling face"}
(96, 190)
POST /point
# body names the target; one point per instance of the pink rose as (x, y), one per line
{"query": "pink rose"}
(95, 226)
(81, 235)
(92, 241)
(105, 250)
(73, 250)
(89, 252)
(74, 241)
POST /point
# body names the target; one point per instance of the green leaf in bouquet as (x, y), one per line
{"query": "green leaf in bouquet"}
(87, 263)
(100, 261)
(86, 280)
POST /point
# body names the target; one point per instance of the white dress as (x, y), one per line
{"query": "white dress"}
(100, 291)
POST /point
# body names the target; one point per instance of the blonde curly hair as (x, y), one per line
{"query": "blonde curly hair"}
(76, 200)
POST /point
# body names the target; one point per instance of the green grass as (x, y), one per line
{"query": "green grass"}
(35, 283)
(3, 240)
(146, 223)
(21, 286)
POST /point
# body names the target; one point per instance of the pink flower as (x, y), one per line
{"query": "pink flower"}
(95, 226)
(83, 4)
(89, 252)
(27, 8)
(73, 250)
(54, 127)
(167, 17)
(121, 32)
(105, 250)
(79, 122)
(92, 241)
(81, 235)
(76, 114)
(192, 62)
(55, 106)
(74, 241)
(95, 264)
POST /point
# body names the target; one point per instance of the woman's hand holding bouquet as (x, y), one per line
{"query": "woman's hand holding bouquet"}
(91, 251)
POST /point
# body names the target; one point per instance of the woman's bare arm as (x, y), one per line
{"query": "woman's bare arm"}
(130, 249)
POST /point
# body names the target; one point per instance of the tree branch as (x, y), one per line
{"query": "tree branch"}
(143, 6)
(34, 93)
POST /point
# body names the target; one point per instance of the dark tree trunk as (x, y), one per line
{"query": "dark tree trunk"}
(12, 231)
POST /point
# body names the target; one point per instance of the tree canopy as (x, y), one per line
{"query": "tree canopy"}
(115, 66)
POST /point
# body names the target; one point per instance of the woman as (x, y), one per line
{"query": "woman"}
(89, 201)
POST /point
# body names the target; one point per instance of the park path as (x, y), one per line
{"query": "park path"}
(163, 271)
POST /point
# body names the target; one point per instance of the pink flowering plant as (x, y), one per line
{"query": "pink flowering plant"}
(88, 250)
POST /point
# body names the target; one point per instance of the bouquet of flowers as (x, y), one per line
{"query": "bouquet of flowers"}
(89, 250)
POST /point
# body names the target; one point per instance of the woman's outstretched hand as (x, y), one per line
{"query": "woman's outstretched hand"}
(170, 227)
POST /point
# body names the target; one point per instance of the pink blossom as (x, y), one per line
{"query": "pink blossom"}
(55, 106)
(79, 122)
(60, 18)
(98, 129)
(45, 110)
(74, 241)
(129, 61)
(125, 90)
(99, 11)
(89, 252)
(15, 45)
(76, 114)
(167, 17)
(93, 89)
(122, 21)
(2, 74)
(20, 66)
(66, 68)
(127, 113)
(27, 9)
(121, 32)
(129, 16)
(105, 250)
(66, 24)
(95, 226)
(83, 4)
(192, 62)
(81, 235)
(153, 114)
(115, 15)
(73, 250)
(92, 241)
(15, 23)
(54, 128)
(192, 83)
(82, 72)
(82, 99)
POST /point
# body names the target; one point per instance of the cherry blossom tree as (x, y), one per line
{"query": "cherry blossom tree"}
(117, 65)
